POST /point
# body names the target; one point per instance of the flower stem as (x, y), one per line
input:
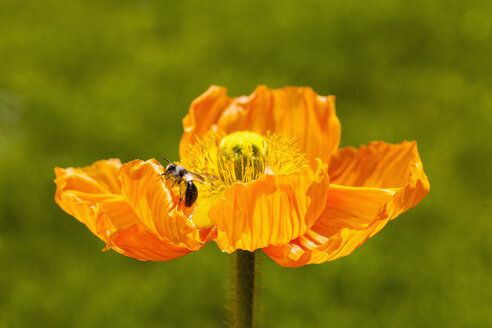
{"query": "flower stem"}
(245, 289)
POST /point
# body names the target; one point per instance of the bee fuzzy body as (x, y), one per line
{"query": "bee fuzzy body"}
(191, 193)
(181, 176)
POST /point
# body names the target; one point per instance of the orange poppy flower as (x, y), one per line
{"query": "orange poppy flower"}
(269, 175)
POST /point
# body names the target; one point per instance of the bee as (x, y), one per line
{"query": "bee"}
(185, 178)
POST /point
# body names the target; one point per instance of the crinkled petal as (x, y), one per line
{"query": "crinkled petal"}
(127, 235)
(93, 196)
(381, 181)
(144, 188)
(292, 111)
(79, 191)
(98, 178)
(269, 211)
(203, 115)
(139, 243)
(379, 165)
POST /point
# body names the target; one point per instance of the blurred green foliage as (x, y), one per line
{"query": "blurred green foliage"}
(85, 80)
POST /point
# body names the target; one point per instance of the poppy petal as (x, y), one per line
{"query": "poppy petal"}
(203, 115)
(379, 165)
(383, 181)
(292, 111)
(93, 196)
(80, 190)
(135, 241)
(127, 235)
(144, 188)
(269, 211)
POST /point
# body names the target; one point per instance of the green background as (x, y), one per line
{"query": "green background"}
(86, 80)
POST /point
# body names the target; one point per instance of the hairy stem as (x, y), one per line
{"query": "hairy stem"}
(245, 289)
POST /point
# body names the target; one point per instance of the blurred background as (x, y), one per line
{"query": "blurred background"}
(86, 80)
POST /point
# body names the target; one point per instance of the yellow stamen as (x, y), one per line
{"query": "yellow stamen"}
(244, 154)
(238, 157)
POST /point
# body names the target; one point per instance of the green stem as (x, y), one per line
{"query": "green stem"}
(245, 289)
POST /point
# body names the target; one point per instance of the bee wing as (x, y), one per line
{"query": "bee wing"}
(203, 176)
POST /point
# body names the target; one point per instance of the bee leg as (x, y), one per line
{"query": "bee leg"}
(176, 205)
(166, 175)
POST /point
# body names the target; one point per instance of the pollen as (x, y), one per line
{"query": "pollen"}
(242, 153)
(243, 157)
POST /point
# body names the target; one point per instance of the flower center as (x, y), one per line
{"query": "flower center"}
(243, 156)
(220, 160)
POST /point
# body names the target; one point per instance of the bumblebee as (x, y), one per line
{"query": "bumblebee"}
(187, 188)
